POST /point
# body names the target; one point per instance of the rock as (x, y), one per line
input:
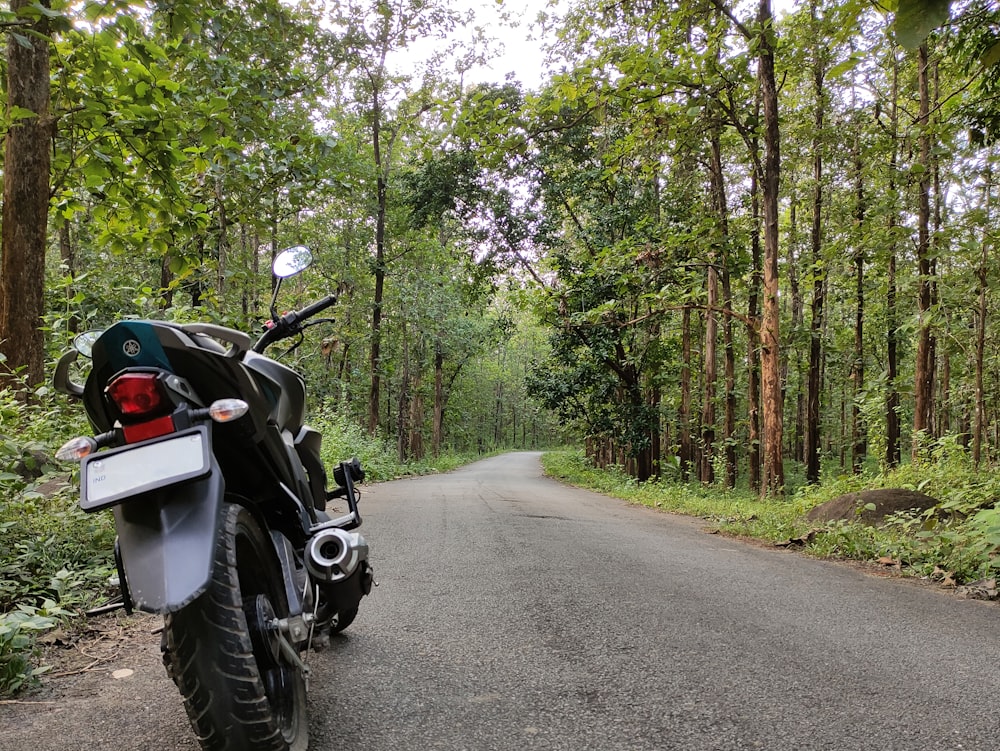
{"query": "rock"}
(851, 507)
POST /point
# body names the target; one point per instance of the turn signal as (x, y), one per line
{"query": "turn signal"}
(227, 410)
(76, 449)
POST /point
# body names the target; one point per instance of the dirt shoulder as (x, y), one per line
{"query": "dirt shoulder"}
(107, 690)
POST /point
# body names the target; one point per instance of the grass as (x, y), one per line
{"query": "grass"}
(957, 542)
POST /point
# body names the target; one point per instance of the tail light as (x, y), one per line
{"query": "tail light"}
(144, 406)
(138, 394)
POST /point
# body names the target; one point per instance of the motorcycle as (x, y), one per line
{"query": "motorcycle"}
(220, 501)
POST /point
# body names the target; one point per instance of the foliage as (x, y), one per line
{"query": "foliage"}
(18, 630)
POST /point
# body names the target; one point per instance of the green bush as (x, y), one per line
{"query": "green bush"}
(343, 439)
(18, 630)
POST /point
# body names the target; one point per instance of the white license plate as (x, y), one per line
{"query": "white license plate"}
(109, 477)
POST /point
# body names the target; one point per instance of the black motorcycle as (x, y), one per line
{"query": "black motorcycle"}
(219, 496)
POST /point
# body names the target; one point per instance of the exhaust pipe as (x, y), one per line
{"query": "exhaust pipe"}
(333, 554)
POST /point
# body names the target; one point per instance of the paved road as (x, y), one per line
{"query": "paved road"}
(515, 613)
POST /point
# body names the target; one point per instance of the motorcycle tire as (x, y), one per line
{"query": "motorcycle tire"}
(239, 691)
(344, 619)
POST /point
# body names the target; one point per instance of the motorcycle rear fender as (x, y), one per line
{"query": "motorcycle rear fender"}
(167, 540)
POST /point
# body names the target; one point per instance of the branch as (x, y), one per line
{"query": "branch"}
(721, 7)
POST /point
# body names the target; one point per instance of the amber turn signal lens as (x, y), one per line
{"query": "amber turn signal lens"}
(227, 410)
(76, 449)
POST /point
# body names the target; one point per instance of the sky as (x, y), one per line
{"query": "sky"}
(522, 52)
(519, 46)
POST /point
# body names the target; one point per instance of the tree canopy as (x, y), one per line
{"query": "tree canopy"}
(714, 240)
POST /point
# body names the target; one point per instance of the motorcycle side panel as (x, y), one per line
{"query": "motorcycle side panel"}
(167, 540)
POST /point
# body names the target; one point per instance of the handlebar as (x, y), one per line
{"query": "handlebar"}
(290, 324)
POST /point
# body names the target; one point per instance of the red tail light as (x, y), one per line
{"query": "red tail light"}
(151, 429)
(137, 394)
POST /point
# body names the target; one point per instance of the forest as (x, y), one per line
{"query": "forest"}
(711, 242)
(720, 243)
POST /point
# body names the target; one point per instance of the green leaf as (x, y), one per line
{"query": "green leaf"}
(845, 67)
(20, 113)
(992, 56)
(916, 19)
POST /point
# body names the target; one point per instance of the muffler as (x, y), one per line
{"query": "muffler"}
(333, 554)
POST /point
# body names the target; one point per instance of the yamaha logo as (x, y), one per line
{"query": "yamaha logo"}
(131, 348)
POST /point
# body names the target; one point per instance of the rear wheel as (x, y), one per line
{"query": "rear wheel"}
(240, 692)
(344, 619)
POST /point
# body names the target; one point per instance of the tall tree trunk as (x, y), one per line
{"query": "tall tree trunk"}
(729, 419)
(982, 276)
(721, 206)
(893, 449)
(923, 371)
(27, 160)
(404, 396)
(67, 254)
(710, 364)
(417, 415)
(774, 469)
(859, 432)
(684, 413)
(812, 442)
(794, 352)
(753, 335)
(438, 428)
(379, 271)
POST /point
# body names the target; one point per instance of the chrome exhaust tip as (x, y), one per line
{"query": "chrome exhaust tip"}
(333, 554)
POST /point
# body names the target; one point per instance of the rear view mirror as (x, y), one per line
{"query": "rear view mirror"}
(291, 261)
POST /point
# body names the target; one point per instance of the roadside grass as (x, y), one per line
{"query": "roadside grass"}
(957, 542)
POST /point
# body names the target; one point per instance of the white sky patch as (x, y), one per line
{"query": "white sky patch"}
(518, 39)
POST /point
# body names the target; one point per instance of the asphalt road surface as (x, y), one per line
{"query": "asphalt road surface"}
(516, 613)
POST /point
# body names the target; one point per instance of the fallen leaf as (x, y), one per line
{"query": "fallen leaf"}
(888, 560)
(58, 637)
(122, 673)
(798, 541)
(984, 589)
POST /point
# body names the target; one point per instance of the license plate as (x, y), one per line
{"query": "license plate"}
(109, 477)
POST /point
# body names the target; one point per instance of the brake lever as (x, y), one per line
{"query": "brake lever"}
(294, 346)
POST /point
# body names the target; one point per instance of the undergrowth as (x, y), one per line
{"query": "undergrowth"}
(957, 541)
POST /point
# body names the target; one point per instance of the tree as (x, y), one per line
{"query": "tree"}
(27, 150)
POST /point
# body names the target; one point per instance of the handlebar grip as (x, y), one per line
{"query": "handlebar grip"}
(317, 307)
(288, 324)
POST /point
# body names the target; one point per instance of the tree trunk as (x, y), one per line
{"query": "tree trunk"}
(417, 416)
(893, 449)
(753, 335)
(684, 413)
(982, 276)
(437, 429)
(380, 263)
(707, 471)
(67, 254)
(27, 160)
(376, 348)
(923, 371)
(794, 352)
(774, 470)
(402, 410)
(859, 431)
(812, 432)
